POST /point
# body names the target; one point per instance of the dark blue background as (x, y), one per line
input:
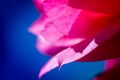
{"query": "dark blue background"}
(19, 59)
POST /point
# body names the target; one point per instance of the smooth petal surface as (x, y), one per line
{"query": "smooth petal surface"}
(89, 23)
(48, 48)
(38, 25)
(101, 6)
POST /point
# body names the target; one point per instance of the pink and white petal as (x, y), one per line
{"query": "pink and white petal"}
(38, 25)
(61, 16)
(52, 48)
(66, 56)
(42, 46)
(66, 41)
(48, 48)
(51, 64)
(52, 36)
(50, 33)
(70, 55)
(57, 19)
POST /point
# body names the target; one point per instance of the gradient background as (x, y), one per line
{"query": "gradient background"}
(19, 59)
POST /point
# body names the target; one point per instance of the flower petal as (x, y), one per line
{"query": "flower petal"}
(48, 48)
(102, 6)
(108, 43)
(66, 56)
(50, 33)
(88, 24)
(107, 50)
(38, 25)
(59, 14)
(66, 41)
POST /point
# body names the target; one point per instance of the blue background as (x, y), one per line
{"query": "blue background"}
(19, 59)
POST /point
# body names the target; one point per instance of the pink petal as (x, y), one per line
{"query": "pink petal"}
(63, 17)
(66, 56)
(53, 47)
(66, 41)
(55, 10)
(107, 50)
(53, 24)
(108, 41)
(101, 6)
(88, 24)
(50, 33)
(38, 25)
(48, 48)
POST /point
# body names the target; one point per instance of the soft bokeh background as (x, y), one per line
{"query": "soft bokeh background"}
(19, 59)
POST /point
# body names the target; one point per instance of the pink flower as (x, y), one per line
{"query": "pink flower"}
(77, 30)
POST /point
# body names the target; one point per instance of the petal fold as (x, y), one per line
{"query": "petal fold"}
(66, 56)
